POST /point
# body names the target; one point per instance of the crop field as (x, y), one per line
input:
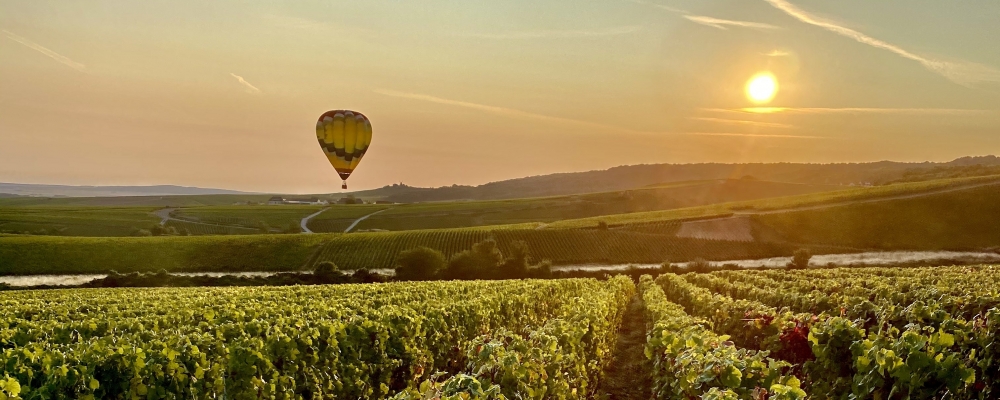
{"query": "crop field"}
(778, 203)
(956, 221)
(340, 216)
(76, 221)
(348, 341)
(22, 255)
(918, 333)
(549, 209)
(136, 201)
(248, 216)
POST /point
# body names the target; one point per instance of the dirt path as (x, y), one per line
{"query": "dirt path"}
(629, 374)
(305, 221)
(357, 221)
(164, 215)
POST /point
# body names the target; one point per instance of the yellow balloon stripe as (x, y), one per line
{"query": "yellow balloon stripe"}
(350, 135)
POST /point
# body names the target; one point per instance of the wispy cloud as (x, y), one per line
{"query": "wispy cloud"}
(743, 122)
(963, 73)
(851, 110)
(724, 24)
(49, 53)
(250, 88)
(714, 22)
(777, 53)
(558, 34)
(510, 112)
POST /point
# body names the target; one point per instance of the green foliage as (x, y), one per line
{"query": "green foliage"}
(800, 259)
(343, 341)
(691, 361)
(326, 269)
(420, 263)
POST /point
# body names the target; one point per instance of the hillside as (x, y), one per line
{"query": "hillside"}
(634, 176)
(37, 190)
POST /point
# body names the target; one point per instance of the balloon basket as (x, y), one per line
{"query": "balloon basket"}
(344, 186)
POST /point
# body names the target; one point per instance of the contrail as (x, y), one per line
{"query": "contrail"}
(963, 73)
(725, 23)
(524, 114)
(250, 88)
(41, 49)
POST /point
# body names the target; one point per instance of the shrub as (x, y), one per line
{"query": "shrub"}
(326, 269)
(800, 259)
(699, 265)
(420, 263)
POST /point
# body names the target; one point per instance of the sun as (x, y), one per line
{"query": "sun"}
(762, 87)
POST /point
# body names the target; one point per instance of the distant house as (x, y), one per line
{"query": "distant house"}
(278, 200)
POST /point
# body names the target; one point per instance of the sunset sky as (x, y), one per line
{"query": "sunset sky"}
(226, 94)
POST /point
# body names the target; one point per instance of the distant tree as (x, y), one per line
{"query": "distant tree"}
(800, 259)
(541, 270)
(602, 225)
(170, 231)
(293, 227)
(699, 265)
(419, 263)
(515, 266)
(478, 263)
(671, 268)
(185, 232)
(157, 230)
(326, 269)
(141, 232)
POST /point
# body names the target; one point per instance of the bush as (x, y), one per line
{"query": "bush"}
(326, 269)
(699, 265)
(515, 266)
(602, 225)
(420, 263)
(141, 232)
(800, 259)
(479, 263)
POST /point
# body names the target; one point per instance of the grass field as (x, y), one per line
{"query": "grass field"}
(76, 221)
(965, 220)
(340, 216)
(724, 209)
(137, 201)
(549, 209)
(248, 216)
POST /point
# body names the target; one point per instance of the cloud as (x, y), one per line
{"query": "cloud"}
(851, 110)
(51, 54)
(744, 122)
(777, 53)
(963, 73)
(724, 24)
(510, 112)
(558, 34)
(660, 6)
(250, 88)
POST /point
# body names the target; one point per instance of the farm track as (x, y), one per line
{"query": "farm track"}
(165, 217)
(357, 221)
(627, 377)
(304, 224)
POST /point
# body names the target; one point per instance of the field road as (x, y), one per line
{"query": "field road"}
(362, 219)
(164, 215)
(305, 221)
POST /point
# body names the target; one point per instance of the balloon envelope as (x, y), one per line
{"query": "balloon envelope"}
(344, 136)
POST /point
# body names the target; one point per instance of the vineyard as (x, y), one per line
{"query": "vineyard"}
(248, 216)
(844, 333)
(76, 221)
(863, 333)
(347, 341)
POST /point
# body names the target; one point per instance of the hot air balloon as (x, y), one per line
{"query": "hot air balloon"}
(344, 136)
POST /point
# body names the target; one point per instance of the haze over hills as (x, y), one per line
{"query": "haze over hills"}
(23, 189)
(634, 176)
(612, 179)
